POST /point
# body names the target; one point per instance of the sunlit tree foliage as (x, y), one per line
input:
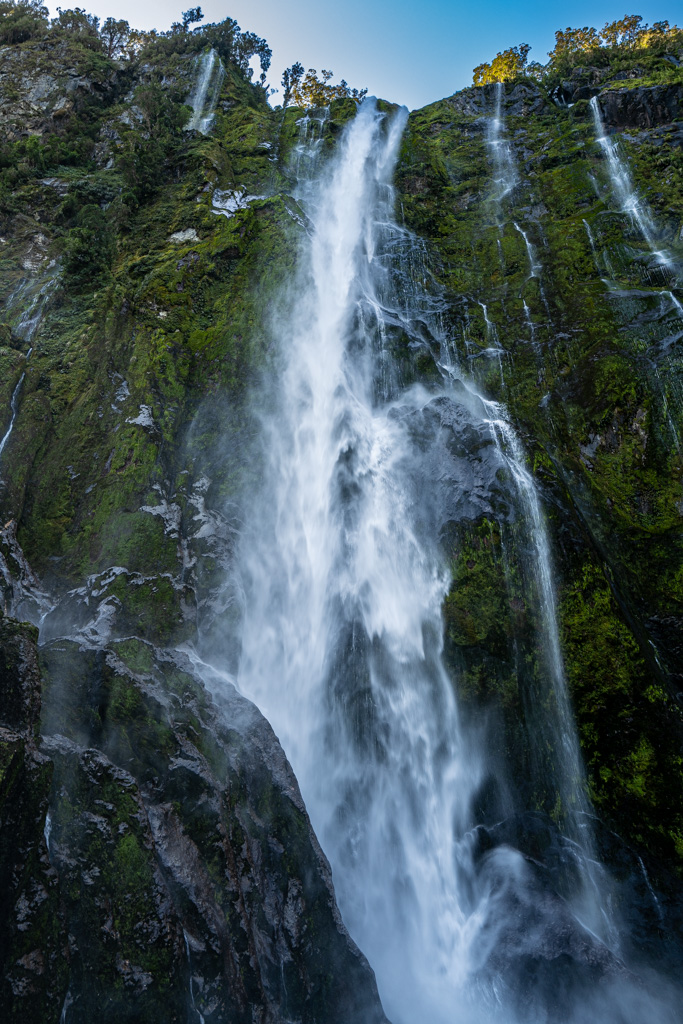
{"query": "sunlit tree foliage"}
(504, 67)
(626, 33)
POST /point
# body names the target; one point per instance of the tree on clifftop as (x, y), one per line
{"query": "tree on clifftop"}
(307, 90)
(27, 19)
(190, 17)
(624, 32)
(575, 40)
(115, 35)
(504, 67)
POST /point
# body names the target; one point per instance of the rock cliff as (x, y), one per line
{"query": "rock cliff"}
(156, 858)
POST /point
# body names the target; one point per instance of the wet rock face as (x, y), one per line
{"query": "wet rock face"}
(32, 936)
(190, 878)
(575, 294)
(520, 98)
(176, 873)
(644, 107)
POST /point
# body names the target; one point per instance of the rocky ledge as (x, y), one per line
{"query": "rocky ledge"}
(177, 876)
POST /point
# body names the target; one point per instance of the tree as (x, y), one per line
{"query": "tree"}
(307, 90)
(77, 22)
(659, 34)
(23, 20)
(290, 80)
(248, 45)
(236, 47)
(190, 17)
(624, 32)
(115, 35)
(504, 67)
(573, 41)
(137, 41)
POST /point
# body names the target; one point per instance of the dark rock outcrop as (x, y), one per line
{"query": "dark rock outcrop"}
(521, 98)
(176, 872)
(191, 879)
(33, 940)
(642, 107)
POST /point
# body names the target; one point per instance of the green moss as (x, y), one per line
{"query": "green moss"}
(635, 770)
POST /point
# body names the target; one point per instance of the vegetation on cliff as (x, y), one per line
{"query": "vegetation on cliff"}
(139, 265)
(574, 45)
(588, 325)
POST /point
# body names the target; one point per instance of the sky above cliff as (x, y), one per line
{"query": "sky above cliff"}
(402, 53)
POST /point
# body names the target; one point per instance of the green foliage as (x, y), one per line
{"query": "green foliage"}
(574, 41)
(233, 46)
(115, 36)
(572, 44)
(236, 47)
(190, 17)
(147, 149)
(307, 90)
(504, 67)
(90, 246)
(21, 20)
(624, 32)
(78, 24)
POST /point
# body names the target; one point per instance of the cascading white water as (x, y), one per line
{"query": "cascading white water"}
(640, 215)
(506, 180)
(344, 583)
(534, 265)
(627, 197)
(505, 175)
(204, 96)
(556, 725)
(342, 637)
(14, 405)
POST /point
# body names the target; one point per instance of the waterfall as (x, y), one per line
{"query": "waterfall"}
(554, 729)
(26, 328)
(14, 405)
(626, 195)
(506, 180)
(342, 635)
(204, 96)
(47, 831)
(188, 952)
(344, 580)
(665, 374)
(534, 265)
(506, 177)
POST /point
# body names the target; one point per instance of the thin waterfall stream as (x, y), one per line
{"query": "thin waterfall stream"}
(625, 193)
(26, 328)
(506, 177)
(204, 95)
(343, 580)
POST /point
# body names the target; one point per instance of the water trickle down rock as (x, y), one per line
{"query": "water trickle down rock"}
(204, 96)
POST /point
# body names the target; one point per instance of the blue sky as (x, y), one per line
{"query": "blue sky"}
(400, 51)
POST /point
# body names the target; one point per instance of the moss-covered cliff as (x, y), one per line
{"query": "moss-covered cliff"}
(176, 875)
(588, 326)
(139, 266)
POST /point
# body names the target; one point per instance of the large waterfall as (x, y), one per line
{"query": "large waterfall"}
(343, 583)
